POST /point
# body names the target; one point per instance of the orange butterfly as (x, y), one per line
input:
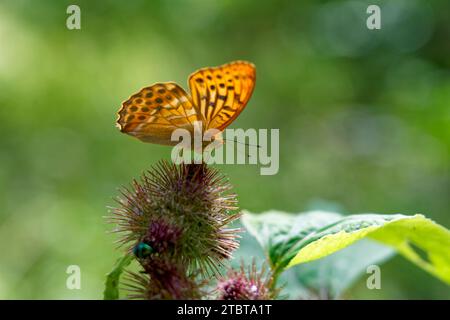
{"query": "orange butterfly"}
(218, 95)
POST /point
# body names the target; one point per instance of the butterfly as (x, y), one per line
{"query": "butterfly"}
(218, 96)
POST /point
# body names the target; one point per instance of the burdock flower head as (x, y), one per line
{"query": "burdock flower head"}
(178, 215)
(162, 279)
(251, 284)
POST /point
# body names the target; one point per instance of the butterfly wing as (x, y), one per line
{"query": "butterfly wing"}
(153, 113)
(221, 93)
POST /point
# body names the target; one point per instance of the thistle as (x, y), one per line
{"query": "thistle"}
(178, 214)
(163, 280)
(242, 284)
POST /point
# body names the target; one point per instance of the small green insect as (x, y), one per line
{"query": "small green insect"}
(142, 250)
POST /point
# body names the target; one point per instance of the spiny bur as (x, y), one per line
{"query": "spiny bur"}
(175, 221)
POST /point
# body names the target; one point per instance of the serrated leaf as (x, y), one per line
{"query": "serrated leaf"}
(111, 291)
(329, 277)
(332, 275)
(281, 233)
(294, 239)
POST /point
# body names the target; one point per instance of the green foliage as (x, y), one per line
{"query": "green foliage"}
(290, 240)
(329, 277)
(111, 291)
(333, 275)
(280, 234)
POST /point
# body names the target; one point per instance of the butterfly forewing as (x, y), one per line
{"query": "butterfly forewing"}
(221, 93)
(154, 112)
(218, 96)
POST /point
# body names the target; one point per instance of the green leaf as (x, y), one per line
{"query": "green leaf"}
(328, 277)
(332, 275)
(280, 233)
(294, 239)
(112, 279)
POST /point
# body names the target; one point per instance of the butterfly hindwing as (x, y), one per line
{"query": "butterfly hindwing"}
(155, 111)
(221, 93)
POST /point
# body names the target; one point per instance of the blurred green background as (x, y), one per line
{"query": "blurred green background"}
(364, 119)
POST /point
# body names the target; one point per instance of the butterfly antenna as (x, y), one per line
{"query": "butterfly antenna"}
(244, 143)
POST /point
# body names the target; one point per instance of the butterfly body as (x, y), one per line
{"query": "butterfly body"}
(218, 95)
